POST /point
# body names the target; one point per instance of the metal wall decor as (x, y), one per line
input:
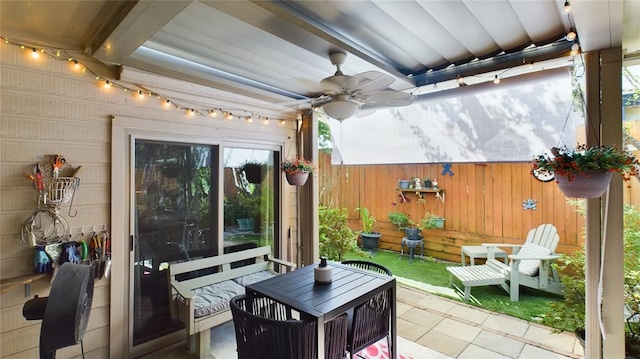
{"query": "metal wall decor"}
(530, 204)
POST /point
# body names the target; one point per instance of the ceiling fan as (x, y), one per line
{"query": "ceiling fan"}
(345, 95)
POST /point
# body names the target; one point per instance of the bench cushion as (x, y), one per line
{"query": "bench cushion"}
(254, 277)
(215, 297)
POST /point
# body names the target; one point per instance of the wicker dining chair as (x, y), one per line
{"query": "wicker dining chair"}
(369, 321)
(265, 329)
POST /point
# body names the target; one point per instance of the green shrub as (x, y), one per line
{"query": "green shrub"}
(570, 314)
(336, 238)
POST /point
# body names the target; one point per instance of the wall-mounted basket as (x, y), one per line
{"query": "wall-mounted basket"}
(58, 191)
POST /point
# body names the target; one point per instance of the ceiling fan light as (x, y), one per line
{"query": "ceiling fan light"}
(341, 109)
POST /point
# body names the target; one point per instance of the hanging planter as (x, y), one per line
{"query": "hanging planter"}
(590, 185)
(297, 178)
(297, 170)
(585, 172)
(254, 171)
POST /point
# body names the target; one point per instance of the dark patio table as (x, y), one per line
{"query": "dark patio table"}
(322, 302)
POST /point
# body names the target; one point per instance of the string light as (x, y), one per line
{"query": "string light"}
(566, 9)
(575, 49)
(571, 35)
(62, 55)
(496, 80)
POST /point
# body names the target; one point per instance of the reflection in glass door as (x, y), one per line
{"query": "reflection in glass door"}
(176, 207)
(250, 198)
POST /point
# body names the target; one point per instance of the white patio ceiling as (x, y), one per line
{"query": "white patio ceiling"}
(271, 55)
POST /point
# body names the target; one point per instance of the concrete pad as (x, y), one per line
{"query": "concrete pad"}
(410, 330)
(443, 343)
(500, 344)
(562, 341)
(531, 352)
(422, 317)
(476, 352)
(458, 329)
(433, 302)
(409, 296)
(505, 324)
(402, 308)
(468, 314)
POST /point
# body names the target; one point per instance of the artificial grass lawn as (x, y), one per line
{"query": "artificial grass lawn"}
(532, 304)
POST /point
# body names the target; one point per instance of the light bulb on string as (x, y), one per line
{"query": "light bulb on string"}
(167, 103)
(107, 84)
(213, 113)
(575, 49)
(191, 112)
(140, 94)
(35, 54)
(248, 119)
(58, 53)
(266, 120)
(76, 65)
(282, 122)
(227, 116)
(566, 8)
(571, 35)
(496, 80)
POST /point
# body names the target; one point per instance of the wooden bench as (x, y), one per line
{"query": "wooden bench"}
(200, 289)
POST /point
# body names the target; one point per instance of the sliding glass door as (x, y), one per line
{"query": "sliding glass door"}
(175, 219)
(179, 190)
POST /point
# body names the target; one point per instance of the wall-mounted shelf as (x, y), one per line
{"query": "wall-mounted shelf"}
(9, 284)
(439, 192)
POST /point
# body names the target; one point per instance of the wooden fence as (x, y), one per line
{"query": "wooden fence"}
(483, 203)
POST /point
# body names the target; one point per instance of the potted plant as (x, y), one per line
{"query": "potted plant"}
(399, 219)
(585, 172)
(254, 171)
(369, 235)
(431, 221)
(297, 170)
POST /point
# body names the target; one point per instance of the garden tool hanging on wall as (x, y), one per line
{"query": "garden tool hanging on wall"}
(100, 249)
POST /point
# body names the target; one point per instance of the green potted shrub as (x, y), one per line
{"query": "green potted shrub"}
(336, 238)
(431, 221)
(369, 235)
(401, 220)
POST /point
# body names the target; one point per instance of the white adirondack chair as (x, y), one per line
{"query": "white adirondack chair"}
(529, 266)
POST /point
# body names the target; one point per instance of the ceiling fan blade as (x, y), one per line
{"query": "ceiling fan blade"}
(338, 84)
(386, 98)
(371, 81)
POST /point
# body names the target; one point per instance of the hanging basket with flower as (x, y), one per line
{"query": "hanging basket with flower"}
(297, 170)
(585, 172)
